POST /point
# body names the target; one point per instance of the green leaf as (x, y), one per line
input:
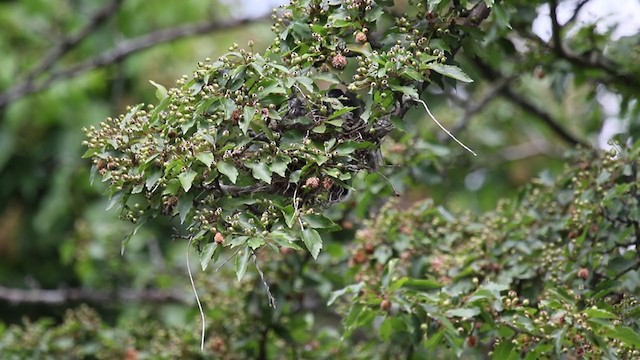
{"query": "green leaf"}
(318, 221)
(185, 203)
(285, 239)
(241, 260)
(255, 242)
(186, 179)
(161, 91)
(390, 326)
(248, 113)
(451, 71)
(421, 284)
(207, 254)
(279, 167)
(205, 157)
(260, 171)
(289, 215)
(341, 112)
(152, 178)
(505, 351)
(625, 334)
(228, 170)
(351, 289)
(312, 241)
(127, 238)
(463, 312)
(599, 314)
(410, 91)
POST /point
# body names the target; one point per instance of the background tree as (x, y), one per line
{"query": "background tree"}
(551, 273)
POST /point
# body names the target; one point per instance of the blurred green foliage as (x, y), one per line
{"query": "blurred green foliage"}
(551, 272)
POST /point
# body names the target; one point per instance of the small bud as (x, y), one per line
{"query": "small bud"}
(361, 37)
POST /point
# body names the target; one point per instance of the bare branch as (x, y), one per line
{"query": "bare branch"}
(62, 296)
(472, 108)
(556, 29)
(529, 107)
(119, 52)
(576, 11)
(68, 43)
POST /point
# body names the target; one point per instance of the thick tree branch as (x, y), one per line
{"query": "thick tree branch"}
(62, 296)
(529, 107)
(118, 53)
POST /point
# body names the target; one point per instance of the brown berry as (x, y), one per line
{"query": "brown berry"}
(471, 341)
(312, 182)
(218, 238)
(385, 305)
(360, 257)
(130, 354)
(583, 273)
(368, 248)
(339, 61)
(327, 183)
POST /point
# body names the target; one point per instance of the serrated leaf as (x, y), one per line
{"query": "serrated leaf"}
(318, 221)
(241, 260)
(205, 157)
(422, 284)
(279, 167)
(185, 203)
(390, 326)
(351, 289)
(152, 178)
(341, 112)
(248, 113)
(186, 179)
(410, 91)
(625, 334)
(161, 91)
(312, 241)
(228, 170)
(255, 242)
(599, 314)
(463, 312)
(126, 240)
(451, 71)
(207, 254)
(260, 171)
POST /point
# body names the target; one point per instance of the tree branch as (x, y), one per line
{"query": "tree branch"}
(118, 53)
(62, 296)
(68, 43)
(529, 107)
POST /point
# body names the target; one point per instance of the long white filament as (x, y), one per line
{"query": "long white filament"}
(195, 292)
(443, 128)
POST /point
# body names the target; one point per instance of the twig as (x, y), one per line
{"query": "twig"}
(443, 128)
(195, 292)
(544, 116)
(63, 296)
(272, 300)
(470, 109)
(119, 52)
(68, 43)
(576, 11)
(517, 99)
